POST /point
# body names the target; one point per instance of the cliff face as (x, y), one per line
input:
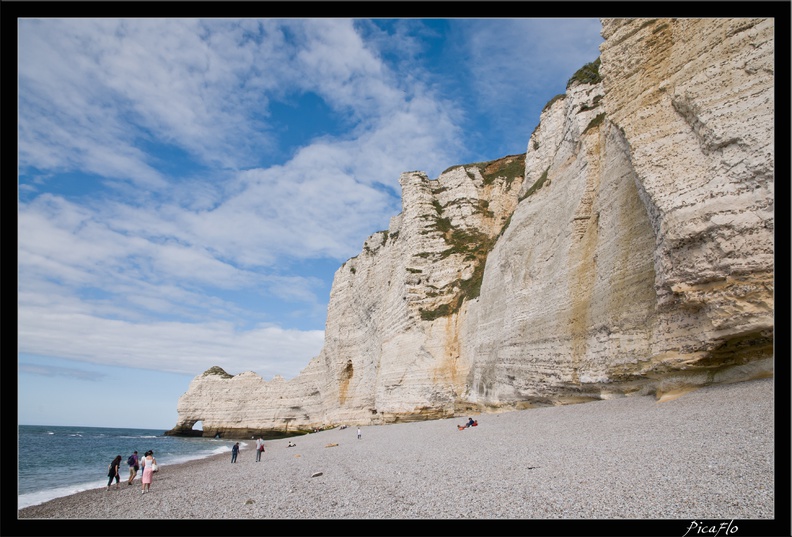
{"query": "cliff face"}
(629, 250)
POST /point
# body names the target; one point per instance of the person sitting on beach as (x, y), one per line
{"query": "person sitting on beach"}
(470, 423)
(291, 444)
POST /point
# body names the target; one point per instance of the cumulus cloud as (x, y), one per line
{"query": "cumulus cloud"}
(176, 347)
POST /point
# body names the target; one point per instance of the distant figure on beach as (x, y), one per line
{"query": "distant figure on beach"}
(470, 423)
(358, 433)
(259, 448)
(149, 464)
(291, 444)
(234, 452)
(112, 472)
(134, 466)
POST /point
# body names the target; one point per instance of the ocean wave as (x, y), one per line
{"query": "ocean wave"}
(41, 496)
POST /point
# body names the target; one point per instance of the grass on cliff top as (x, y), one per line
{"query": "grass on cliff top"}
(588, 74)
(509, 167)
(217, 370)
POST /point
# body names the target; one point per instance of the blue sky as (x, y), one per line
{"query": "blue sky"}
(188, 187)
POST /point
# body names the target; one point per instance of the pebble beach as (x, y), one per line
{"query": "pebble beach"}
(707, 454)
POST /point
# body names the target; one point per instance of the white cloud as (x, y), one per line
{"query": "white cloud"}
(97, 89)
(133, 253)
(187, 348)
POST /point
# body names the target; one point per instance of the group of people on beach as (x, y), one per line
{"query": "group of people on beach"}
(147, 463)
(259, 450)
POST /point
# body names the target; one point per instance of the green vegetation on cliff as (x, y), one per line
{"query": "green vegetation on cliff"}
(537, 185)
(594, 123)
(476, 246)
(472, 244)
(588, 74)
(217, 370)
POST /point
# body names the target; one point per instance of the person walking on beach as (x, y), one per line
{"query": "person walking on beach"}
(149, 464)
(358, 433)
(259, 448)
(234, 452)
(112, 472)
(133, 463)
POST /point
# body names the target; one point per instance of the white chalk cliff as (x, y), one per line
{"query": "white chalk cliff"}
(630, 250)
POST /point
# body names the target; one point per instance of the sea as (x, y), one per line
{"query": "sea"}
(56, 461)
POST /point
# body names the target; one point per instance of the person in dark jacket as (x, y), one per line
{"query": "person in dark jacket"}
(134, 466)
(112, 472)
